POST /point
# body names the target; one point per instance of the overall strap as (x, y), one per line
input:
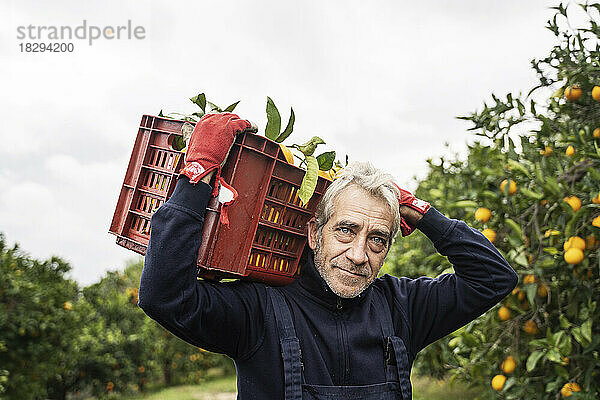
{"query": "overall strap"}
(290, 346)
(395, 351)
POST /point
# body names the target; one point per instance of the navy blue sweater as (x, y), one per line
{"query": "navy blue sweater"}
(340, 338)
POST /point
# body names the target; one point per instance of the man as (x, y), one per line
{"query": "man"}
(337, 331)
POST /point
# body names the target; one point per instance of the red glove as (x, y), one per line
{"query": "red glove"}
(210, 142)
(408, 199)
(207, 150)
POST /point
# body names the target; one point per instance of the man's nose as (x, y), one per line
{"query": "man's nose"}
(357, 253)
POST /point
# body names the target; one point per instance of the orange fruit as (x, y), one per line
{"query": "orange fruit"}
(542, 290)
(568, 389)
(547, 151)
(504, 313)
(573, 93)
(498, 382)
(326, 175)
(574, 241)
(570, 151)
(574, 202)
(141, 369)
(596, 133)
(573, 255)
(596, 93)
(596, 200)
(490, 234)
(512, 187)
(483, 214)
(67, 305)
(531, 327)
(516, 290)
(528, 279)
(508, 365)
(543, 202)
(596, 221)
(287, 153)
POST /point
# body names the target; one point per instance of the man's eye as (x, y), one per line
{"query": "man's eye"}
(379, 241)
(344, 230)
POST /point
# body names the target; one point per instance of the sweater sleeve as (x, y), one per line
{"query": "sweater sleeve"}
(481, 278)
(220, 317)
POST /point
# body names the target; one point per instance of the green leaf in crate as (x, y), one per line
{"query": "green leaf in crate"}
(288, 129)
(200, 101)
(326, 160)
(533, 359)
(309, 182)
(309, 147)
(231, 107)
(273, 120)
(214, 107)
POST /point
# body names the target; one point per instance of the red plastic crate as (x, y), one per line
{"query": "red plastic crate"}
(267, 231)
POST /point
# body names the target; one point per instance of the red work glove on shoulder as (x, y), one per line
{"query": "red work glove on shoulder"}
(208, 148)
(406, 198)
(210, 142)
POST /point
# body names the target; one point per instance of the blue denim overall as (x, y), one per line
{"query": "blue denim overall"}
(397, 385)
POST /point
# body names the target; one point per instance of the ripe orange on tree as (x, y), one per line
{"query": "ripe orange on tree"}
(504, 313)
(596, 93)
(498, 382)
(508, 365)
(490, 234)
(568, 389)
(574, 202)
(573, 93)
(531, 327)
(483, 214)
(570, 151)
(573, 255)
(512, 188)
(574, 241)
(528, 279)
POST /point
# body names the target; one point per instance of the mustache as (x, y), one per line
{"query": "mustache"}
(362, 269)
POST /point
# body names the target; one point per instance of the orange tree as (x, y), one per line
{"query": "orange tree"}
(532, 186)
(37, 325)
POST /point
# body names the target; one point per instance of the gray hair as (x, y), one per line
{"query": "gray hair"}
(364, 175)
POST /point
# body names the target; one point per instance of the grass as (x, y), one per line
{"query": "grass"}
(225, 389)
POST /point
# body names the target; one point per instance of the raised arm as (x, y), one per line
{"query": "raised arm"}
(482, 277)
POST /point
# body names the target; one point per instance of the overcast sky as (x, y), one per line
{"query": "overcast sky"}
(381, 81)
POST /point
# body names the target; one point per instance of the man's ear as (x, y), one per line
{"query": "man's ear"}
(312, 233)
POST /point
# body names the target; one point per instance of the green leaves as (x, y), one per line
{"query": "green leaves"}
(200, 101)
(533, 359)
(309, 182)
(273, 120)
(326, 160)
(309, 147)
(274, 123)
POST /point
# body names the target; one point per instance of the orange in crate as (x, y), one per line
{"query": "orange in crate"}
(267, 231)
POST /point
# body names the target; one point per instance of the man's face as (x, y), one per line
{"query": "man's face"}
(354, 241)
